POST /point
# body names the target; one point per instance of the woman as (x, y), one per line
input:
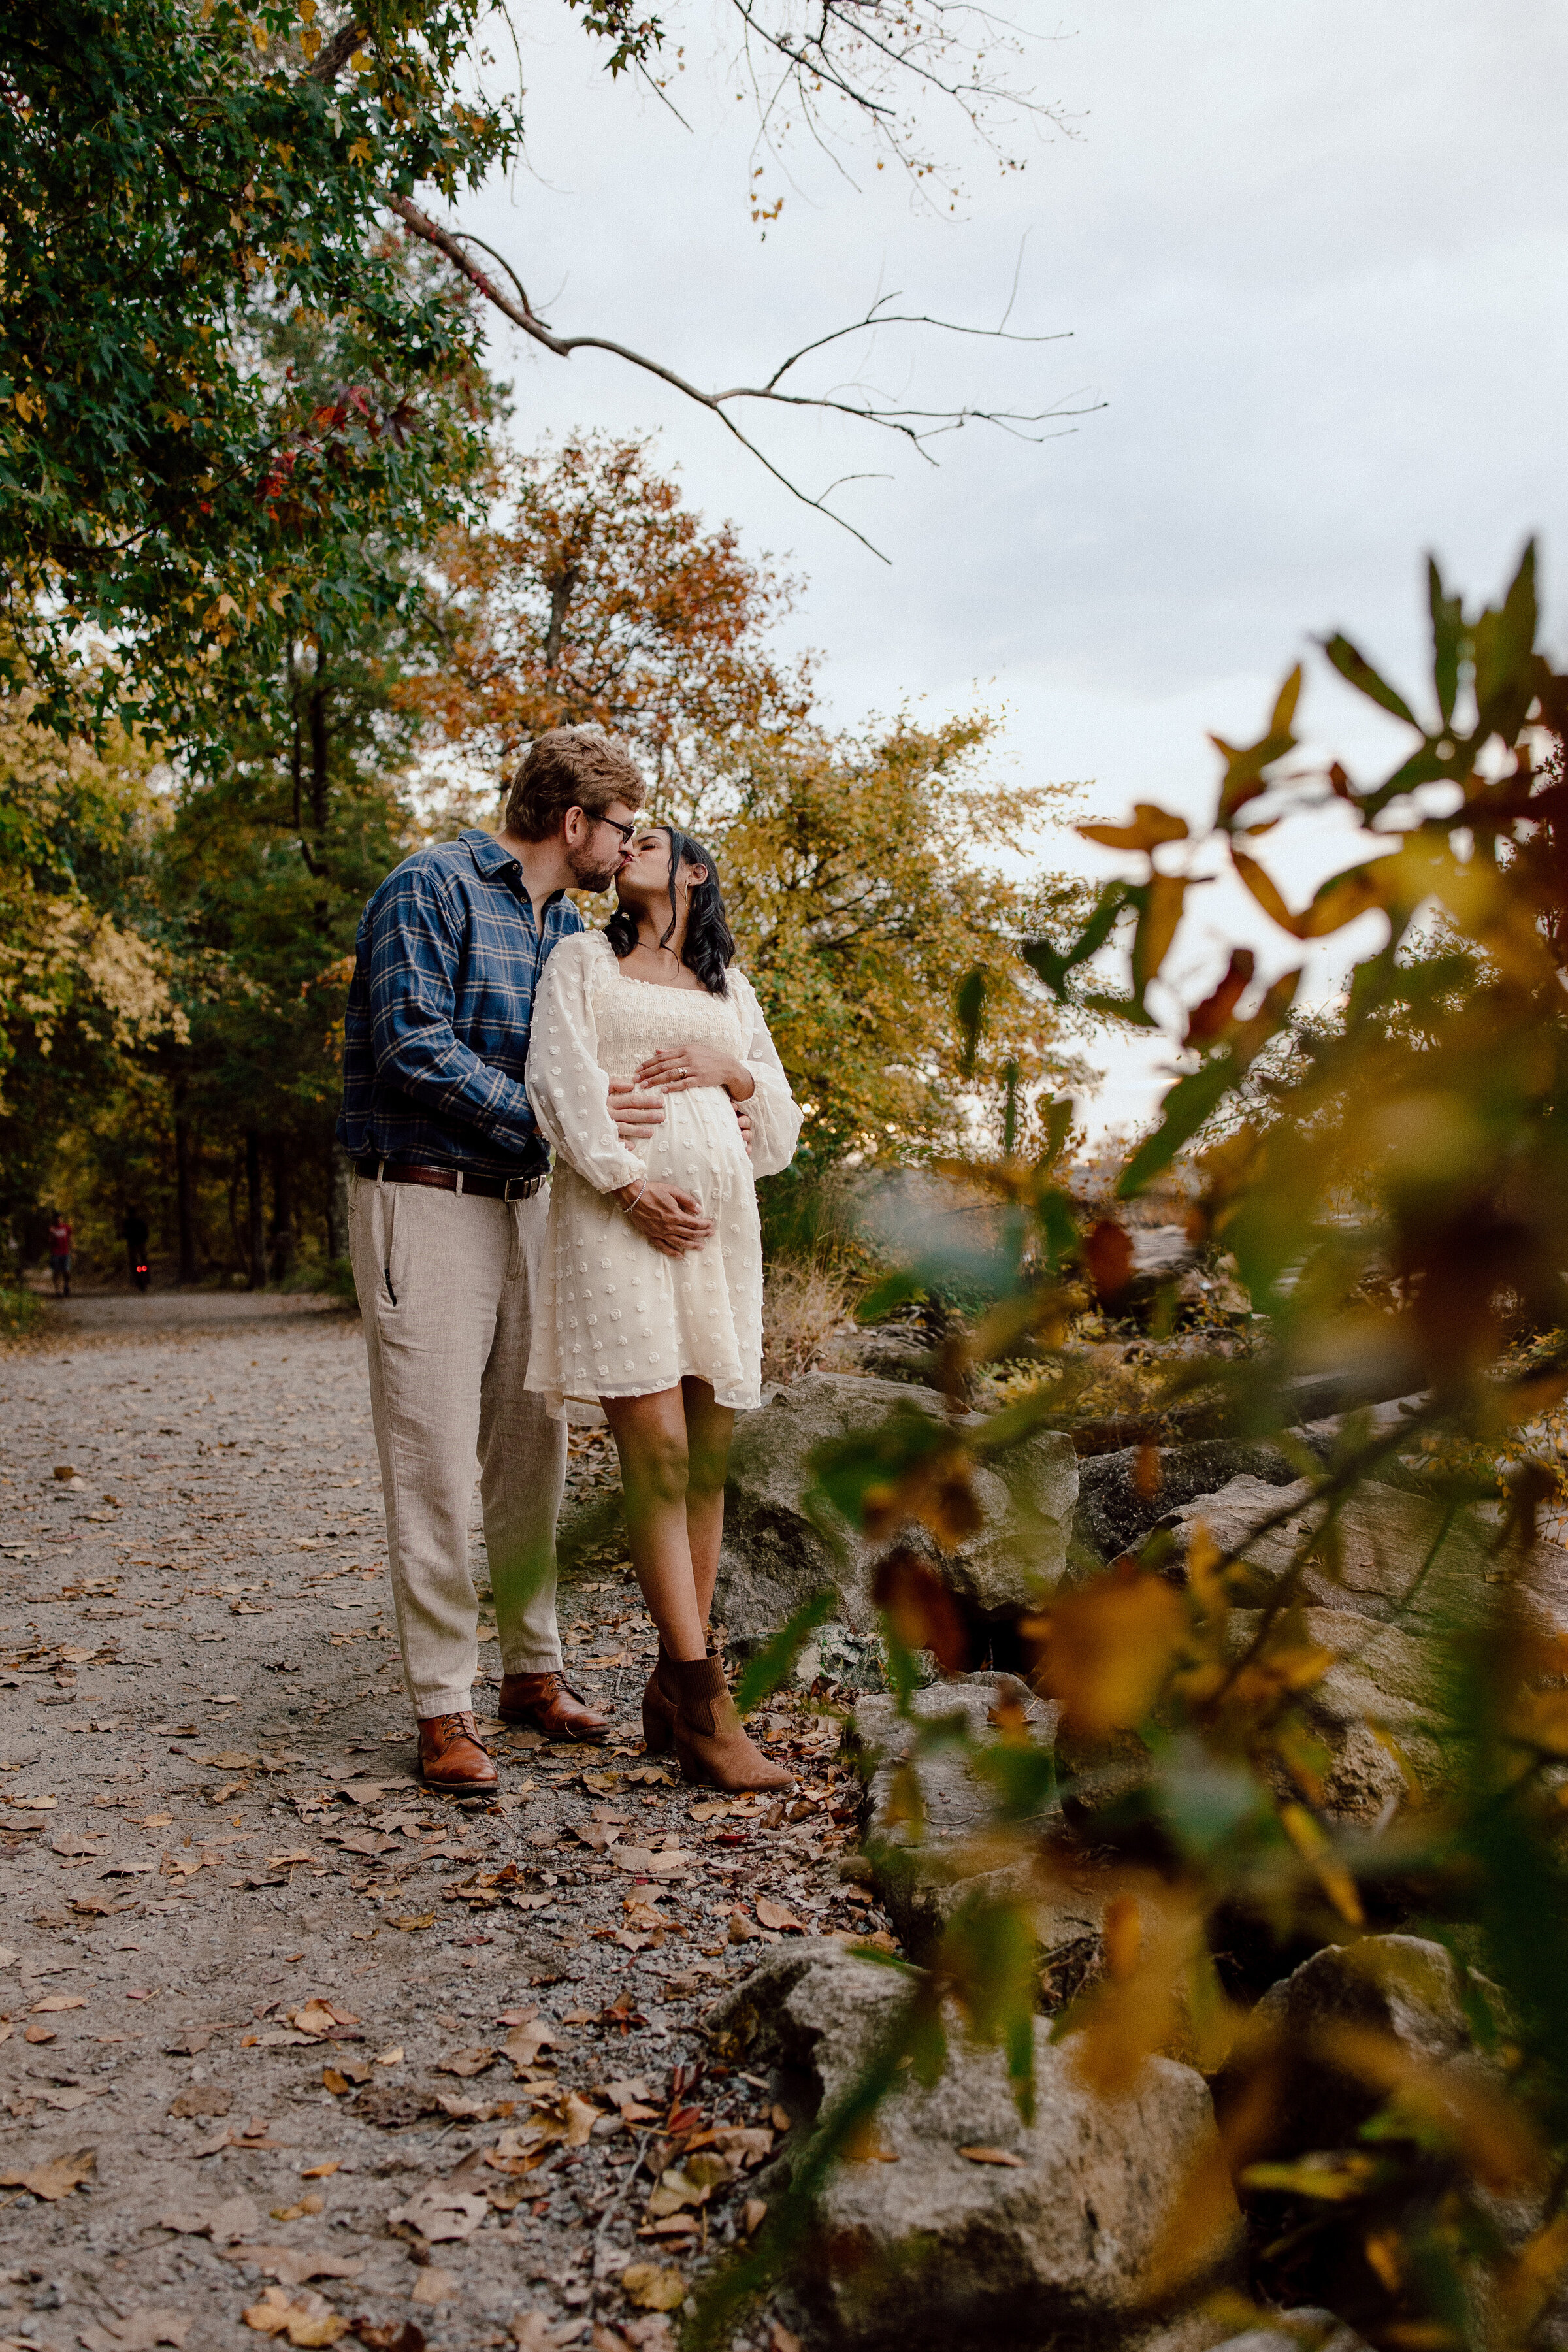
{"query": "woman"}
(652, 1294)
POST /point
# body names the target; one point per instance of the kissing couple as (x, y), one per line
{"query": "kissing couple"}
(486, 1023)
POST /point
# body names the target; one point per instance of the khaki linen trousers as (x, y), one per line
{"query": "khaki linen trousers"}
(447, 1284)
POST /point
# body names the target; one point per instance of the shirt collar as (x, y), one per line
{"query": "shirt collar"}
(499, 865)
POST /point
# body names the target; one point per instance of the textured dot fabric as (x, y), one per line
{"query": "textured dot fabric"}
(615, 1318)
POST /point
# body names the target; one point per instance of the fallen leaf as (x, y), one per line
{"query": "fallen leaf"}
(654, 2287)
(992, 2155)
(298, 2212)
(433, 2285)
(55, 2002)
(425, 1919)
(741, 1929)
(307, 2319)
(35, 1805)
(524, 2043)
(753, 2213)
(393, 2057)
(320, 2171)
(201, 2099)
(440, 2213)
(532, 2332)
(39, 2033)
(778, 1916)
(466, 2062)
(52, 2181)
(292, 2264)
(237, 2217)
(139, 2331)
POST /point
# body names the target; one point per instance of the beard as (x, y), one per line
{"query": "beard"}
(589, 869)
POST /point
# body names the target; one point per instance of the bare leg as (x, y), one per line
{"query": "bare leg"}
(708, 1429)
(650, 1438)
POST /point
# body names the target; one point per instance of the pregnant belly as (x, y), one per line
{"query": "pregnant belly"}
(700, 1147)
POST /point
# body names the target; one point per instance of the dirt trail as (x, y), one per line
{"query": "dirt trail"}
(276, 1993)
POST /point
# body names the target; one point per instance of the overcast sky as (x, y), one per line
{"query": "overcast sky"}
(1310, 257)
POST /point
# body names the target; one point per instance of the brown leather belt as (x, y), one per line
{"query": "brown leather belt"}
(450, 1180)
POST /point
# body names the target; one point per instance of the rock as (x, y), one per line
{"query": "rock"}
(929, 2246)
(1113, 1511)
(1382, 1675)
(922, 1871)
(1398, 1986)
(1387, 1569)
(1306, 2323)
(776, 1557)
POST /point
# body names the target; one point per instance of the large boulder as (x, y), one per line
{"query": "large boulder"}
(1401, 1556)
(925, 2244)
(775, 1557)
(1119, 1503)
(922, 1867)
(1401, 1988)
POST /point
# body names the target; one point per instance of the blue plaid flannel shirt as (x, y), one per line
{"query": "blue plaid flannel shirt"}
(436, 1038)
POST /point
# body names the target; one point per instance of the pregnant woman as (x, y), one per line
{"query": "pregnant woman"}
(652, 1295)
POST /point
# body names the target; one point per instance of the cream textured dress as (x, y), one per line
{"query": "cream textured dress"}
(615, 1318)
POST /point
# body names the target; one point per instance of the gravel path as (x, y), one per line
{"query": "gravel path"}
(314, 2044)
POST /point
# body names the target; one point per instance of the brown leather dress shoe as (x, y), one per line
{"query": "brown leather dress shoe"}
(452, 1756)
(546, 1703)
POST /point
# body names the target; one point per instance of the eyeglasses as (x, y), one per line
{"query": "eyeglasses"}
(626, 831)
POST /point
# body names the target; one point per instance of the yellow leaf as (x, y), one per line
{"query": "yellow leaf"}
(360, 152)
(653, 2286)
(1149, 826)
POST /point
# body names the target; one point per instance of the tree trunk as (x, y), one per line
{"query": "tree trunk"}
(186, 1157)
(282, 1212)
(256, 1219)
(338, 1203)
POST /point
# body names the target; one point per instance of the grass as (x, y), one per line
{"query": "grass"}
(21, 1314)
(804, 1304)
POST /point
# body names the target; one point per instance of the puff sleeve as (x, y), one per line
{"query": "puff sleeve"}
(775, 1115)
(569, 1091)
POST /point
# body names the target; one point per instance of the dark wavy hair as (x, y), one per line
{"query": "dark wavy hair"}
(709, 945)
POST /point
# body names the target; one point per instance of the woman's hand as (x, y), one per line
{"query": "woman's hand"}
(677, 1069)
(671, 1220)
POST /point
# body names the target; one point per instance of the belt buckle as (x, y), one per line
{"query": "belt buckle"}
(520, 1188)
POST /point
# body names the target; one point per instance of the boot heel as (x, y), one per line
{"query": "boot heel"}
(657, 1725)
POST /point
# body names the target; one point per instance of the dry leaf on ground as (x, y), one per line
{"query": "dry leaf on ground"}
(433, 2285)
(52, 2181)
(465, 2062)
(139, 2331)
(654, 2286)
(990, 2156)
(306, 2319)
(53, 2002)
(779, 1917)
(201, 2099)
(440, 2213)
(293, 2265)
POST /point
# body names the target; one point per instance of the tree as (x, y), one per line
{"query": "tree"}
(852, 872)
(167, 177)
(597, 598)
(84, 983)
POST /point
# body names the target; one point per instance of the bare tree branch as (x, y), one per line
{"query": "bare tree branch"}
(916, 425)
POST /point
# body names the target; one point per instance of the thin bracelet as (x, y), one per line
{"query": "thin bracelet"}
(631, 1204)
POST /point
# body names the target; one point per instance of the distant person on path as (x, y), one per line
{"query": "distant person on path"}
(60, 1252)
(447, 1223)
(136, 1232)
(651, 1298)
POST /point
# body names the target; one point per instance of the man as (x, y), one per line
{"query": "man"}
(447, 1223)
(61, 1253)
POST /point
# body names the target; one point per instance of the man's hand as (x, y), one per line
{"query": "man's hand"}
(671, 1220)
(635, 1113)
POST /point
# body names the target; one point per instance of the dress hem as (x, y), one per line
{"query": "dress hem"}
(557, 1400)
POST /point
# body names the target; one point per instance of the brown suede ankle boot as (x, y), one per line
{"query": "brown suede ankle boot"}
(659, 1702)
(709, 1739)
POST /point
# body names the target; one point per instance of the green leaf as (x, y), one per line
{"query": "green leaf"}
(773, 1665)
(1052, 965)
(969, 1003)
(1358, 672)
(1447, 641)
(1190, 1101)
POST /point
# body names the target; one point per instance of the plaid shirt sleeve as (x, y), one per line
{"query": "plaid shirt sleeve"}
(415, 957)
